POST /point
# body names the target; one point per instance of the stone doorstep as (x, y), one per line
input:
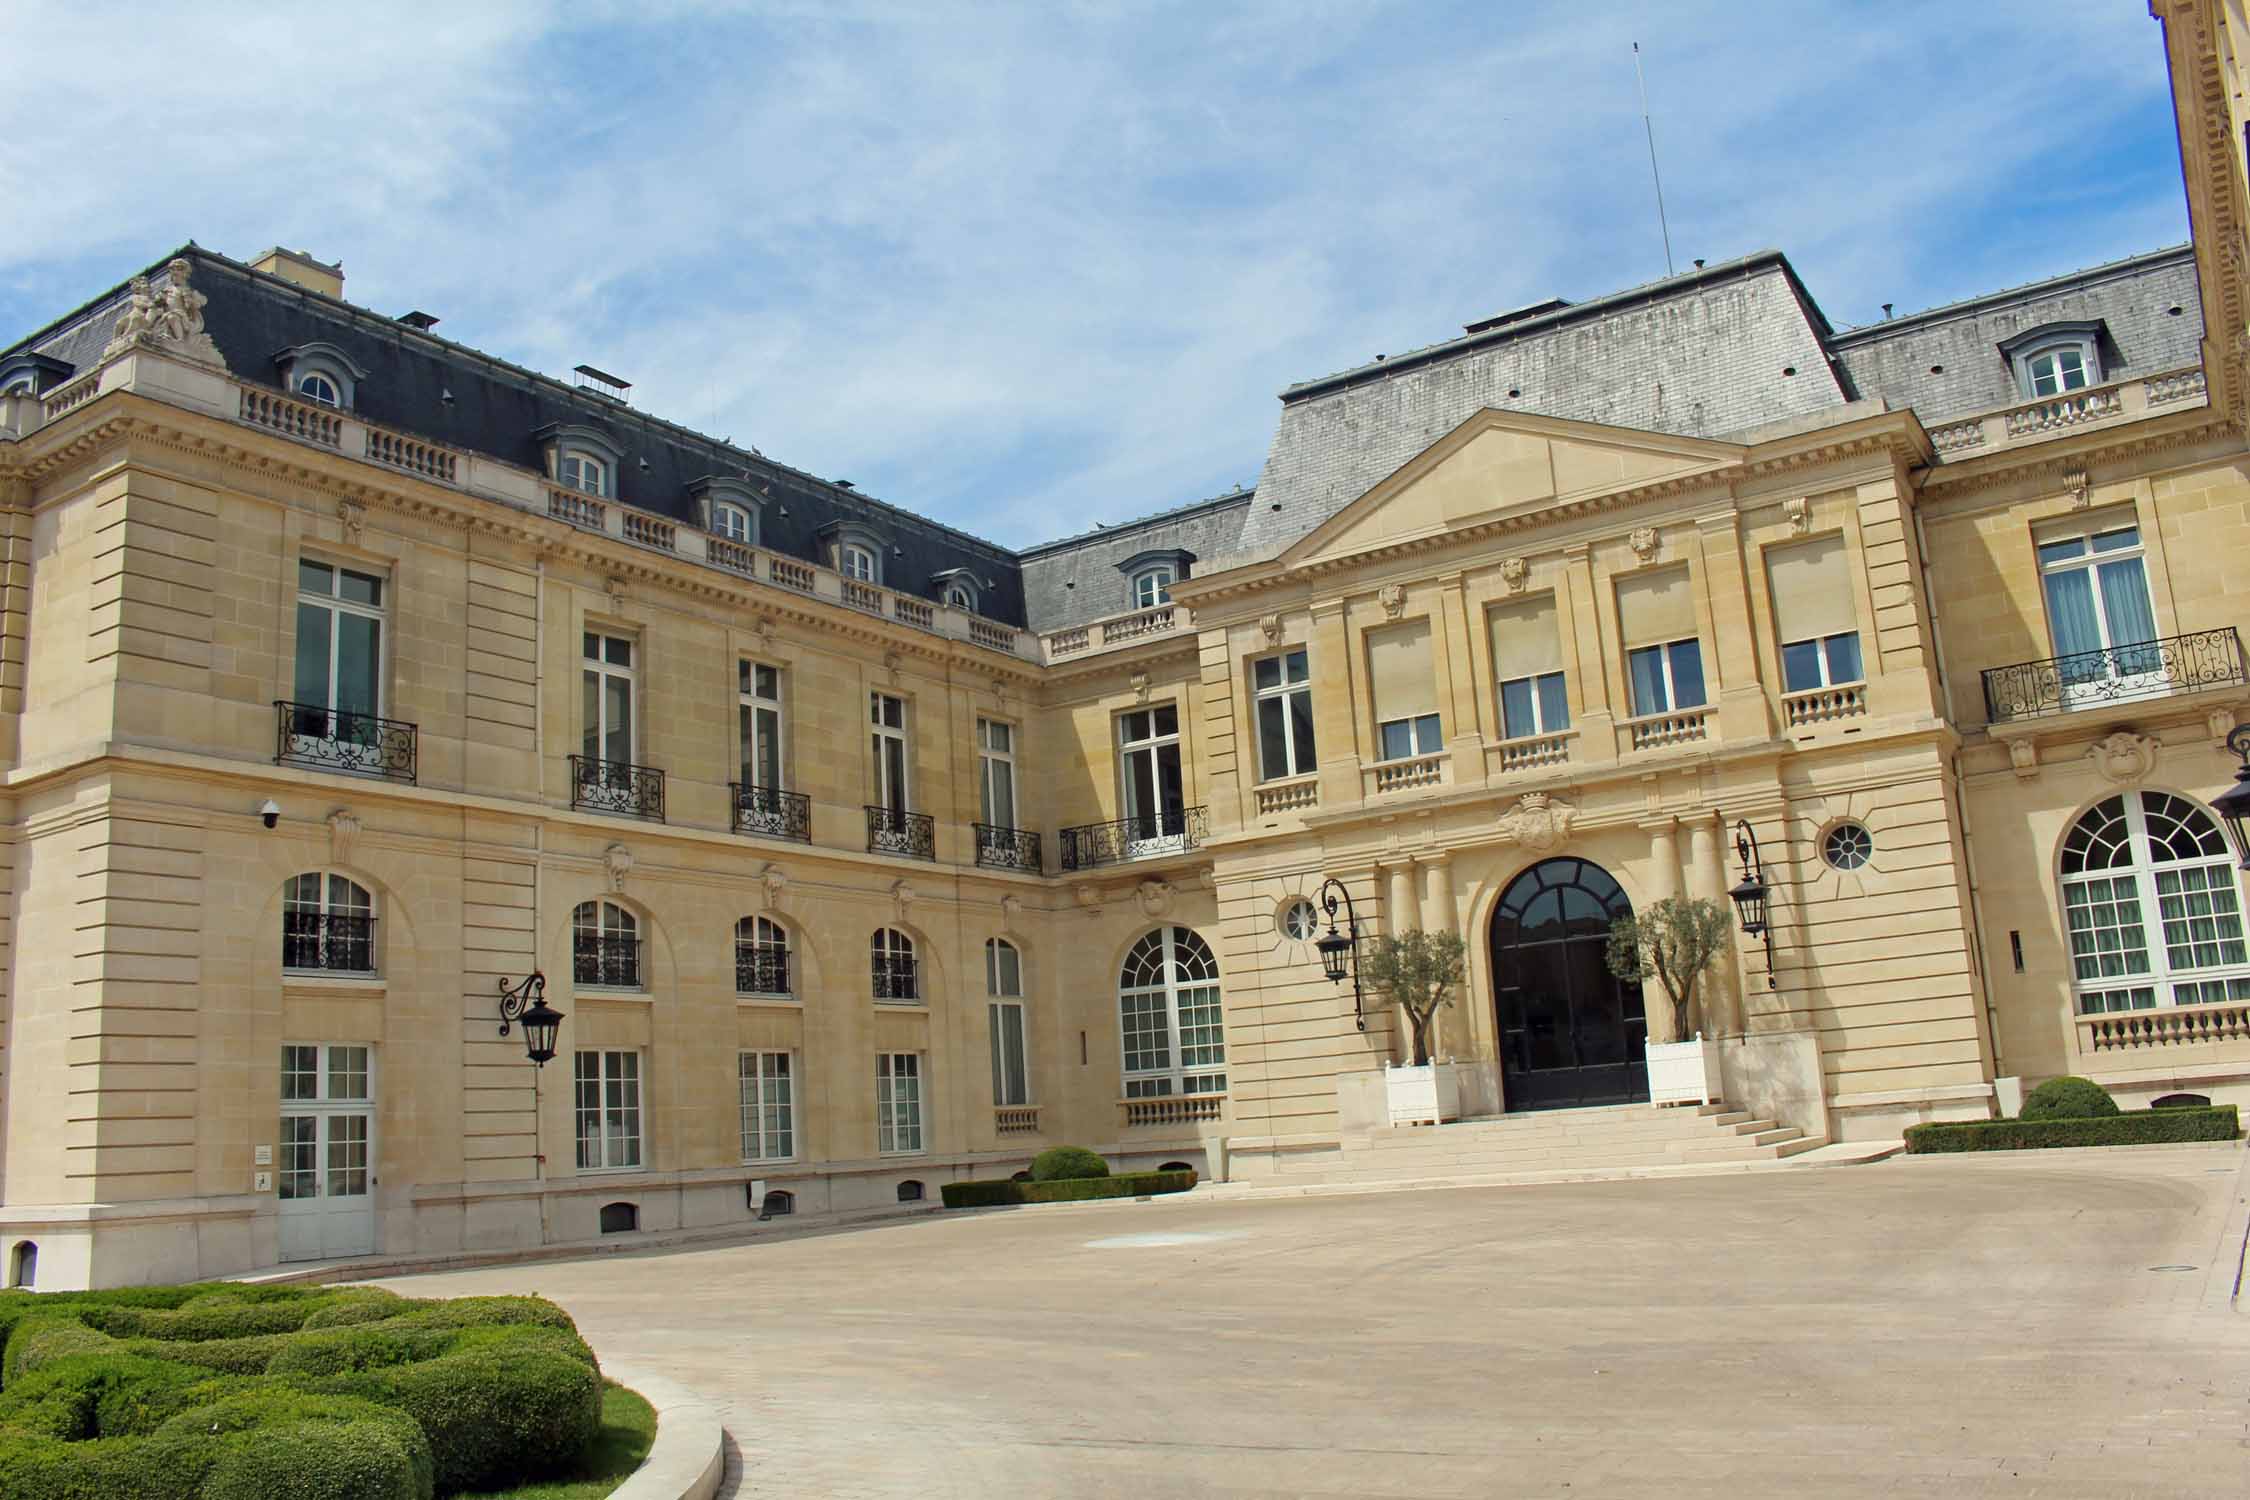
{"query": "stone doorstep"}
(370, 1267)
(1267, 1187)
(688, 1459)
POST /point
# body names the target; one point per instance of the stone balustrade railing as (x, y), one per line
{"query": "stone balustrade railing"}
(1178, 1109)
(1819, 705)
(1288, 796)
(1015, 1119)
(2164, 1026)
(1119, 630)
(1405, 775)
(2034, 421)
(1655, 731)
(1534, 750)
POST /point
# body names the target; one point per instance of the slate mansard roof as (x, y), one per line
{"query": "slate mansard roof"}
(1714, 352)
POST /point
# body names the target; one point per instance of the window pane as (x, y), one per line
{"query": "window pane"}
(591, 709)
(1554, 704)
(1647, 668)
(359, 588)
(358, 662)
(617, 705)
(312, 655)
(1843, 657)
(1398, 739)
(1687, 673)
(2125, 608)
(1273, 742)
(1800, 666)
(1167, 719)
(1267, 673)
(316, 578)
(1518, 717)
(1000, 794)
(2121, 537)
(619, 652)
(1295, 663)
(1300, 729)
(1428, 735)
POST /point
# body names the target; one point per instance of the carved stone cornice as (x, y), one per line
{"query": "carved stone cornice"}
(2051, 465)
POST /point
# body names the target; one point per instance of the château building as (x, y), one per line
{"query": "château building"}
(349, 675)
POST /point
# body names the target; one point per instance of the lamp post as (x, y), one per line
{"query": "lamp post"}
(2233, 804)
(1339, 951)
(1751, 894)
(525, 1004)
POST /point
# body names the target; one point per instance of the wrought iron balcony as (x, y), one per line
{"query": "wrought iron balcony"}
(1008, 848)
(771, 813)
(324, 942)
(599, 958)
(761, 969)
(334, 739)
(897, 978)
(617, 786)
(1149, 836)
(892, 831)
(2119, 674)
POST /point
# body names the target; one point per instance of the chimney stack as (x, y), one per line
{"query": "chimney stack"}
(296, 266)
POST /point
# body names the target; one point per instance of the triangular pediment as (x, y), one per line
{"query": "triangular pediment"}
(1499, 464)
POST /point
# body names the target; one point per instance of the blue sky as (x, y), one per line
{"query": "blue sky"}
(1022, 267)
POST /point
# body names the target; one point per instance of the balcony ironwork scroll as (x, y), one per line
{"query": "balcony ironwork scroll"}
(1008, 848)
(771, 813)
(761, 969)
(897, 979)
(617, 786)
(327, 942)
(2116, 674)
(1174, 830)
(893, 831)
(600, 958)
(334, 739)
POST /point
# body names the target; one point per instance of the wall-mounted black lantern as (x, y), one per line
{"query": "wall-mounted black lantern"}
(1751, 894)
(1339, 950)
(525, 1004)
(2233, 804)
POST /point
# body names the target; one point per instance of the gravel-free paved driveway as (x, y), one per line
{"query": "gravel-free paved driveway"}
(1911, 1328)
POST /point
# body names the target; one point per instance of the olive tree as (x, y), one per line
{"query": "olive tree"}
(1418, 970)
(1676, 940)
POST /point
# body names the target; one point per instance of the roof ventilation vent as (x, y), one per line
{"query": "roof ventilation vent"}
(419, 319)
(1516, 315)
(601, 383)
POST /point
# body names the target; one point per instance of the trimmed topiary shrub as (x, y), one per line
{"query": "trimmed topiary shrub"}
(2153, 1127)
(1006, 1193)
(2068, 1098)
(1065, 1163)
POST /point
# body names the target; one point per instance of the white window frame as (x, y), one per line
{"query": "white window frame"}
(303, 386)
(1823, 647)
(612, 1153)
(1425, 735)
(1167, 825)
(1170, 1076)
(2051, 355)
(1004, 1009)
(2089, 559)
(336, 604)
(1152, 585)
(1539, 724)
(961, 596)
(996, 770)
(733, 523)
(597, 670)
(1672, 703)
(327, 905)
(894, 780)
(587, 473)
(2157, 984)
(887, 945)
(763, 932)
(860, 561)
(762, 718)
(1280, 693)
(899, 1095)
(766, 1087)
(323, 1105)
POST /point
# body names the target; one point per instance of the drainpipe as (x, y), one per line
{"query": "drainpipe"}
(539, 859)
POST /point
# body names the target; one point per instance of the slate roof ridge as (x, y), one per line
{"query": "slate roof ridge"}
(721, 450)
(1592, 307)
(1863, 333)
(1242, 494)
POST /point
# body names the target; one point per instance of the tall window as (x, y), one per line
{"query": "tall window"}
(339, 676)
(1812, 611)
(896, 975)
(898, 1102)
(583, 472)
(2153, 906)
(1527, 666)
(769, 1121)
(1663, 655)
(1171, 1018)
(607, 672)
(1148, 743)
(1153, 586)
(605, 945)
(1407, 722)
(607, 1100)
(996, 772)
(327, 925)
(761, 957)
(1282, 688)
(856, 561)
(2095, 578)
(1003, 981)
(732, 522)
(759, 720)
(886, 717)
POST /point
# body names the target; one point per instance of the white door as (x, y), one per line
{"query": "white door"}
(325, 1167)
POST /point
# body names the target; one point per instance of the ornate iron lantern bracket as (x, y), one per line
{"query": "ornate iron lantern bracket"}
(1339, 951)
(525, 1004)
(1752, 895)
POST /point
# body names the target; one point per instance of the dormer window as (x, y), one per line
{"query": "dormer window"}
(1150, 575)
(583, 472)
(582, 458)
(853, 550)
(320, 373)
(2055, 358)
(731, 521)
(958, 588)
(858, 562)
(960, 596)
(731, 509)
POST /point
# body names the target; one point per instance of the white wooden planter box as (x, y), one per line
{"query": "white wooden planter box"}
(1683, 1072)
(1430, 1093)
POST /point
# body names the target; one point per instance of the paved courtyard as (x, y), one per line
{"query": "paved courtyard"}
(1910, 1328)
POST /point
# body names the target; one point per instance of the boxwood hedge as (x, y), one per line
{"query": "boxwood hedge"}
(161, 1393)
(2140, 1127)
(1004, 1192)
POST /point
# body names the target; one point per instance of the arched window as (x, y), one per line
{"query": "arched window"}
(620, 1218)
(1003, 981)
(761, 957)
(856, 561)
(732, 522)
(2152, 905)
(910, 1191)
(1169, 1011)
(605, 945)
(319, 388)
(23, 1264)
(891, 955)
(1153, 586)
(960, 595)
(327, 925)
(583, 472)
(778, 1201)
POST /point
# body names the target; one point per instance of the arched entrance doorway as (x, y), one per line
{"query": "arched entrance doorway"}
(1570, 1031)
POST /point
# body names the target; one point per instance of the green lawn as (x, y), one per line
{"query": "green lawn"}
(628, 1427)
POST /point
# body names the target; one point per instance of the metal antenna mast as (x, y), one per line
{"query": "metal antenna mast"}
(1654, 175)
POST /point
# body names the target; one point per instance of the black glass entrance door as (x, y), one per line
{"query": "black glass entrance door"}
(1570, 1031)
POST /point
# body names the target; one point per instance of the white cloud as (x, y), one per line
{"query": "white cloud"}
(1025, 267)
